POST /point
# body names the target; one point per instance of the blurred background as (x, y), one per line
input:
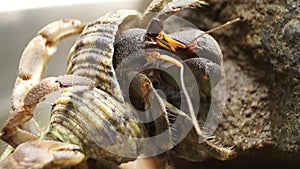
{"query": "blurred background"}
(21, 20)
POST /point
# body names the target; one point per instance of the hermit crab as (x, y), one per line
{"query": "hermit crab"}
(94, 121)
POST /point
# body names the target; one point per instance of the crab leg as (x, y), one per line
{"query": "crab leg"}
(43, 154)
(31, 70)
(37, 54)
(154, 6)
(15, 136)
(175, 6)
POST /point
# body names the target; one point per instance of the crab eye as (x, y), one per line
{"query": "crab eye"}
(154, 28)
(205, 77)
(145, 87)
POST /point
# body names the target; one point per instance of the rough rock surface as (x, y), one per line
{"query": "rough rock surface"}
(262, 66)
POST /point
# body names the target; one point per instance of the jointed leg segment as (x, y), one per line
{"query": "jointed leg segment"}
(11, 133)
(28, 89)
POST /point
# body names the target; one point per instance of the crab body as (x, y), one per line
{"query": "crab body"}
(92, 118)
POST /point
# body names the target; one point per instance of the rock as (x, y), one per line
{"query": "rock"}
(262, 66)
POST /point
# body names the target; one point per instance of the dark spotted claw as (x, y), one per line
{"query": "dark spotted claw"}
(204, 59)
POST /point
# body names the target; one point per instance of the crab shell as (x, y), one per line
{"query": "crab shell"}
(205, 58)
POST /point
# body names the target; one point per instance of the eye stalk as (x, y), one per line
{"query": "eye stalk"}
(156, 34)
(154, 28)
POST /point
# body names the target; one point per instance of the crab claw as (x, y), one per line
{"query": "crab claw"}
(39, 154)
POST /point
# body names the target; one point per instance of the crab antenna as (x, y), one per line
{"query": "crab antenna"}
(214, 29)
(156, 55)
